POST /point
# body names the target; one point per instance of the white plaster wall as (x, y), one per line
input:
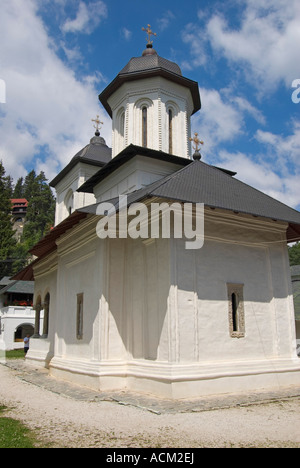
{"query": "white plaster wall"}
(67, 187)
(158, 94)
(156, 315)
(138, 173)
(45, 274)
(255, 255)
(137, 298)
(175, 301)
(157, 301)
(11, 319)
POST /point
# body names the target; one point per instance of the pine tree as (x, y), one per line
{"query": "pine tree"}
(19, 189)
(7, 240)
(29, 185)
(40, 210)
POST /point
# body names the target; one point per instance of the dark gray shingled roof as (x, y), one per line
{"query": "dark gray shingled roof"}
(128, 153)
(147, 66)
(96, 153)
(199, 182)
(137, 64)
(196, 182)
(25, 287)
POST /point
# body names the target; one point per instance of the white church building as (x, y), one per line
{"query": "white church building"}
(144, 312)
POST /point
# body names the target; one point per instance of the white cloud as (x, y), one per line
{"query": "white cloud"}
(266, 43)
(285, 147)
(165, 20)
(126, 33)
(245, 106)
(47, 116)
(195, 38)
(263, 176)
(222, 117)
(275, 170)
(89, 16)
(221, 120)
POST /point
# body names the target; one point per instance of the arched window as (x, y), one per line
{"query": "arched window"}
(122, 124)
(46, 316)
(69, 202)
(170, 131)
(144, 126)
(38, 308)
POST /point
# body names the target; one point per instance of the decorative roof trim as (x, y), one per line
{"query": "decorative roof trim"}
(149, 73)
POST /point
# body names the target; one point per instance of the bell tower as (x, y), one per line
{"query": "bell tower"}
(151, 104)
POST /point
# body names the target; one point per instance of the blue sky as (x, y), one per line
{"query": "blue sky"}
(57, 56)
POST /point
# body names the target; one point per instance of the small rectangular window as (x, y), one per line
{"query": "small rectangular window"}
(144, 127)
(236, 311)
(170, 131)
(79, 319)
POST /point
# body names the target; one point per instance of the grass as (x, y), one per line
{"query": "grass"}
(14, 434)
(14, 354)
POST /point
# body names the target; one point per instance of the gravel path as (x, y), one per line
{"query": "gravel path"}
(66, 422)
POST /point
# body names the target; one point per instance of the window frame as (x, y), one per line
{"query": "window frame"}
(170, 125)
(79, 316)
(236, 310)
(144, 126)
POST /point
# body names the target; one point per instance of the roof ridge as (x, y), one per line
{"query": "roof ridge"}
(166, 179)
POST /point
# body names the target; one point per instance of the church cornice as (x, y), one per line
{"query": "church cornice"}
(133, 76)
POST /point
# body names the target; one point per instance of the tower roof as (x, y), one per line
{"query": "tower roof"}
(96, 153)
(150, 61)
(148, 65)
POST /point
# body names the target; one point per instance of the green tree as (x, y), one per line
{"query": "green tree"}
(29, 185)
(294, 254)
(40, 210)
(19, 189)
(7, 240)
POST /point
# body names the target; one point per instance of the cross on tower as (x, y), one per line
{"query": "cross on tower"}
(149, 33)
(98, 123)
(197, 143)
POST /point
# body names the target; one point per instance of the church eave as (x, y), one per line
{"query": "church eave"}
(198, 182)
(72, 163)
(48, 243)
(133, 76)
(128, 153)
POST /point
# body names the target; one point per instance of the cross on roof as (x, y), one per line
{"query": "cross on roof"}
(98, 123)
(149, 33)
(197, 142)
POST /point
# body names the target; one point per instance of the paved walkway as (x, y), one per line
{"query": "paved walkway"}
(40, 377)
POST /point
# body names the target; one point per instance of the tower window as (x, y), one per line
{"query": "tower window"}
(170, 131)
(122, 125)
(144, 127)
